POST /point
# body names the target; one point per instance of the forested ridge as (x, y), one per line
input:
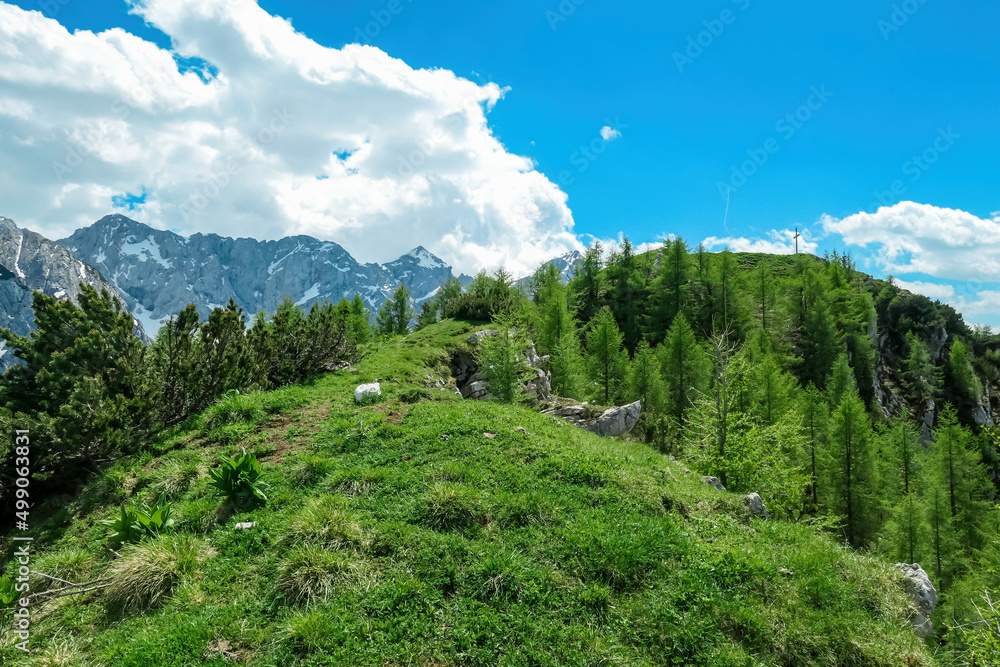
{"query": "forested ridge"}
(855, 409)
(839, 397)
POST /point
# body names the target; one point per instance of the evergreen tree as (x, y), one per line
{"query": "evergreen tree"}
(607, 360)
(841, 381)
(394, 316)
(625, 292)
(772, 390)
(967, 387)
(587, 285)
(502, 357)
(726, 309)
(83, 387)
(684, 367)
(962, 476)
(359, 321)
(908, 532)
(645, 383)
(671, 287)
(819, 343)
(763, 289)
(815, 417)
(854, 478)
(918, 374)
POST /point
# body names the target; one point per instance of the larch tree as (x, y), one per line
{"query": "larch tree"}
(607, 360)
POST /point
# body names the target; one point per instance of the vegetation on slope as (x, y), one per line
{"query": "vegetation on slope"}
(430, 531)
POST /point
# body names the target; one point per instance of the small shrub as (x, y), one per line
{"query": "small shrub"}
(310, 572)
(451, 507)
(149, 572)
(324, 522)
(240, 480)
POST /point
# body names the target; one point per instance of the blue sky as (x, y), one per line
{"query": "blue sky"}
(801, 110)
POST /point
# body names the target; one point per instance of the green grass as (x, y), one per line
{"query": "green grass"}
(399, 534)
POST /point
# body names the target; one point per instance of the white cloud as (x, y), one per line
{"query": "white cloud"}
(289, 137)
(920, 238)
(933, 290)
(781, 242)
(609, 133)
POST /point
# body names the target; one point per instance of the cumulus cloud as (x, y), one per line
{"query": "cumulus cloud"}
(780, 242)
(273, 135)
(920, 238)
(932, 290)
(609, 133)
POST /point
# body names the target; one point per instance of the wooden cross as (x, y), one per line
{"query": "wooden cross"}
(796, 237)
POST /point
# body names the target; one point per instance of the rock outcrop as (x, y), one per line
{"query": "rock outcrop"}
(924, 597)
(472, 381)
(756, 506)
(615, 421)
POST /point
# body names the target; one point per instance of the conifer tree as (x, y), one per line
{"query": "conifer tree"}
(772, 389)
(395, 314)
(918, 374)
(684, 367)
(645, 382)
(815, 418)
(725, 311)
(967, 386)
(607, 360)
(819, 343)
(841, 381)
(670, 289)
(587, 285)
(854, 477)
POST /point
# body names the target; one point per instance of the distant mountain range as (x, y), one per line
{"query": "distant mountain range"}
(157, 273)
(160, 272)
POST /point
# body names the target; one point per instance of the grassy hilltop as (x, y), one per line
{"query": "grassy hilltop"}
(427, 530)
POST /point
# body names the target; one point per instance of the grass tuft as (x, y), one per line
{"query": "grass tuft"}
(310, 573)
(323, 521)
(451, 507)
(149, 572)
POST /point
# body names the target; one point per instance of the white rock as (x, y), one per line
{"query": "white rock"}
(246, 525)
(924, 597)
(366, 389)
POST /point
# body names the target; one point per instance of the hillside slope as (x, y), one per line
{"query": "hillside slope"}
(424, 530)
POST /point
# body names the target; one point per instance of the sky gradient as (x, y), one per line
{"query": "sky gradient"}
(733, 121)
